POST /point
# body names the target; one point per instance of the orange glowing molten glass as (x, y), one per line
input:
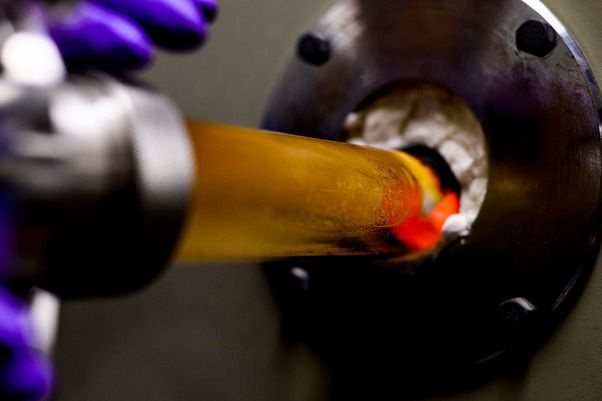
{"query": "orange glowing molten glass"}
(422, 231)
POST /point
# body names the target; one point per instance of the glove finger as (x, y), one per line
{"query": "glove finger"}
(173, 24)
(209, 9)
(15, 325)
(94, 35)
(25, 375)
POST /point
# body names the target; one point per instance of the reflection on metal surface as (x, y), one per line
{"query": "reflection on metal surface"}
(537, 231)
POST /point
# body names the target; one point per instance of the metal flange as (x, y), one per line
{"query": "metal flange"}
(537, 231)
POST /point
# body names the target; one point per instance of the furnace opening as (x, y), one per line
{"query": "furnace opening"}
(425, 115)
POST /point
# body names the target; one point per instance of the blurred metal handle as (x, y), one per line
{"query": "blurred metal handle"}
(100, 183)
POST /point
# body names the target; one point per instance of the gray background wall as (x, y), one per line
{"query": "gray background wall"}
(213, 332)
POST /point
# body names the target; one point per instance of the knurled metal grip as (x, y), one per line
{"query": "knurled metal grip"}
(163, 174)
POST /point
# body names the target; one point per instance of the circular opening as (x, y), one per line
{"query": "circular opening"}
(409, 114)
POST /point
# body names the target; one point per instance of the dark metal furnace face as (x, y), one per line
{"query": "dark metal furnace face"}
(537, 232)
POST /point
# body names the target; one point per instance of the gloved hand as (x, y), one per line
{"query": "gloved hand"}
(110, 34)
(25, 374)
(120, 34)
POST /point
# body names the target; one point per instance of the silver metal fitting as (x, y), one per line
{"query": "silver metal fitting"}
(99, 174)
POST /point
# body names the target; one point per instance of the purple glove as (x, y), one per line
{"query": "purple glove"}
(120, 34)
(25, 374)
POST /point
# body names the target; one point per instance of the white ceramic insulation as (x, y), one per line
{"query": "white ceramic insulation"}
(425, 114)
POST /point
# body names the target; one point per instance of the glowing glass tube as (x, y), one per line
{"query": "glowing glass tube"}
(261, 195)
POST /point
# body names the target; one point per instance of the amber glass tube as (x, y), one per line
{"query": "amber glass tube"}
(261, 195)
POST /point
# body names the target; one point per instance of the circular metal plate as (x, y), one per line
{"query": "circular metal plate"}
(537, 231)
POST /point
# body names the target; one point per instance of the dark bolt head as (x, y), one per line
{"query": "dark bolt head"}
(313, 50)
(536, 38)
(516, 311)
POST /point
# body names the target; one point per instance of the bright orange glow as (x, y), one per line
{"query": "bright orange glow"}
(422, 230)
(421, 233)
